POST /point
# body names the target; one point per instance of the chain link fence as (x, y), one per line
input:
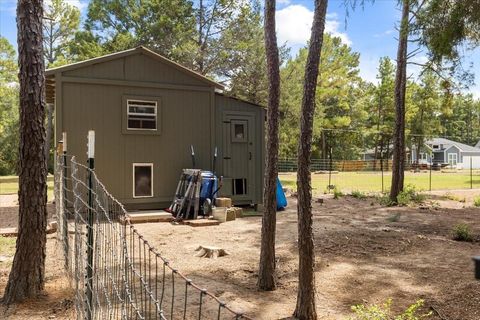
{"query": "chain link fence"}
(375, 175)
(115, 272)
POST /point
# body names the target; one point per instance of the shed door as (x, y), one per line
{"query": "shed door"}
(238, 154)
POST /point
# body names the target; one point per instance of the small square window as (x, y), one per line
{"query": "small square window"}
(141, 115)
(239, 131)
(142, 180)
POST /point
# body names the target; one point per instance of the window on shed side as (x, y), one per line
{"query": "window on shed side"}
(141, 115)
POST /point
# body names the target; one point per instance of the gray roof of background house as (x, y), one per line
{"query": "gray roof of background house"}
(448, 143)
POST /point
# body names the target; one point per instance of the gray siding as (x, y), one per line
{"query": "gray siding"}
(226, 104)
(185, 120)
(455, 150)
(92, 97)
(137, 67)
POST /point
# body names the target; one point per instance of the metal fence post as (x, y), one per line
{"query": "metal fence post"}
(430, 178)
(381, 168)
(91, 166)
(330, 172)
(65, 202)
(471, 174)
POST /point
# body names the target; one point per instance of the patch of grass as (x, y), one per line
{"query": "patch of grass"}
(337, 193)
(453, 197)
(384, 312)
(9, 185)
(476, 202)
(359, 195)
(462, 232)
(7, 249)
(409, 195)
(292, 184)
(384, 200)
(369, 181)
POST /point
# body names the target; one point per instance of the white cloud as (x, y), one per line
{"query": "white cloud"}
(294, 24)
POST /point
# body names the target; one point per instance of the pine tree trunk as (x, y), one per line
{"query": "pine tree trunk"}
(398, 166)
(266, 273)
(305, 308)
(28, 270)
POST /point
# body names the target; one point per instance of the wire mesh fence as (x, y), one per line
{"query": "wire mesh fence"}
(375, 175)
(115, 272)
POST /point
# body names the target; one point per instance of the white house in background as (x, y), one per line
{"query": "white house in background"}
(444, 151)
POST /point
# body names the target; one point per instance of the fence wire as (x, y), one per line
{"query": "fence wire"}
(115, 272)
(375, 175)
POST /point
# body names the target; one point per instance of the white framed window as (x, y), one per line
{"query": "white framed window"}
(239, 131)
(452, 159)
(143, 180)
(142, 115)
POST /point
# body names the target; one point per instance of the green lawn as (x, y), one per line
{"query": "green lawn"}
(9, 185)
(7, 250)
(372, 181)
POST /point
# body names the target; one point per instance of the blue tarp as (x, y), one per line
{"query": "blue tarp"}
(281, 199)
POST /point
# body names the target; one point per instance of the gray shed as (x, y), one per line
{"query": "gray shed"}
(146, 111)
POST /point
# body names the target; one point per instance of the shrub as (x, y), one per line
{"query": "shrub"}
(462, 232)
(476, 202)
(383, 312)
(409, 195)
(359, 195)
(384, 200)
(337, 193)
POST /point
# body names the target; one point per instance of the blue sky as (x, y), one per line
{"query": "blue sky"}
(370, 31)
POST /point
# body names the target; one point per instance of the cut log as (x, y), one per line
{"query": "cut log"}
(211, 252)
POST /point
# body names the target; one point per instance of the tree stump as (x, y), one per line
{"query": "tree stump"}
(211, 252)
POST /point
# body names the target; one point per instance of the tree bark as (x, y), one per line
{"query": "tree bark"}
(398, 166)
(28, 270)
(306, 307)
(266, 273)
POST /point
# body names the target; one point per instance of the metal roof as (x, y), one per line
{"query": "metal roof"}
(448, 143)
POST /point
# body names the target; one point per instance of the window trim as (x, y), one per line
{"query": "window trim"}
(448, 158)
(142, 164)
(155, 108)
(134, 131)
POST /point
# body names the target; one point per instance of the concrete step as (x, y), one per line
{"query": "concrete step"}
(146, 216)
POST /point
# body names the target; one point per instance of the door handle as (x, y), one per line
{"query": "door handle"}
(249, 155)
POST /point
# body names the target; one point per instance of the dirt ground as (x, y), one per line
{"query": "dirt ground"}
(56, 303)
(365, 253)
